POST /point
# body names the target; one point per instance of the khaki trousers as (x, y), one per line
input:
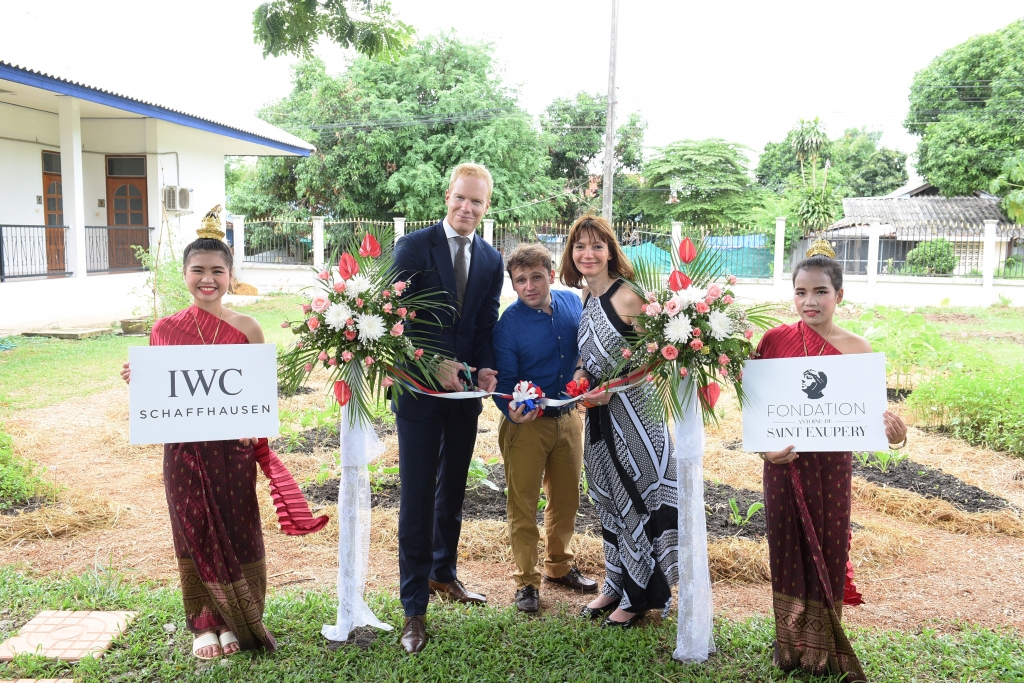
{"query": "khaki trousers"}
(548, 452)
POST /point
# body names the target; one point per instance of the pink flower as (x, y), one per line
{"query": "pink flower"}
(696, 332)
(350, 334)
(652, 347)
(727, 299)
(709, 299)
(386, 294)
(683, 372)
(397, 330)
(626, 353)
(320, 302)
(332, 362)
(299, 345)
(696, 345)
(702, 307)
(359, 302)
(350, 323)
(412, 315)
(649, 378)
(324, 275)
(399, 286)
(387, 382)
(323, 356)
(748, 333)
(723, 372)
(402, 311)
(418, 354)
(346, 356)
(715, 291)
(653, 309)
(368, 361)
(339, 287)
(306, 308)
(652, 297)
(308, 367)
(670, 352)
(285, 325)
(723, 359)
(671, 307)
(732, 279)
(387, 307)
(739, 375)
(313, 322)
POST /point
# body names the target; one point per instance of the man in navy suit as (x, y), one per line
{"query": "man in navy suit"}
(436, 436)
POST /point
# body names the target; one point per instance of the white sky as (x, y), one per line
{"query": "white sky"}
(743, 70)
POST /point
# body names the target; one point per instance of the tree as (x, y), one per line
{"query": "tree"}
(1010, 183)
(699, 182)
(294, 26)
(967, 107)
(882, 172)
(388, 133)
(777, 165)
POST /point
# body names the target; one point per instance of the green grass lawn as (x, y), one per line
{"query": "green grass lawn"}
(467, 644)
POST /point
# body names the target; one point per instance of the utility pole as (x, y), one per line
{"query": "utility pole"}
(609, 131)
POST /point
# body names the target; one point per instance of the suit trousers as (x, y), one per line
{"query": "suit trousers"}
(433, 458)
(548, 453)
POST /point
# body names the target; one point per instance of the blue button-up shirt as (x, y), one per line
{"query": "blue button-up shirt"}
(531, 345)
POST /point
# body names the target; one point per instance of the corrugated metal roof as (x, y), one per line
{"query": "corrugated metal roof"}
(922, 212)
(239, 126)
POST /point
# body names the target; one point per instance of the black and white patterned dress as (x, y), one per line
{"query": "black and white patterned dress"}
(631, 472)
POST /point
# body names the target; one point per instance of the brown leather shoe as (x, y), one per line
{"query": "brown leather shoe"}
(456, 591)
(575, 580)
(527, 599)
(414, 634)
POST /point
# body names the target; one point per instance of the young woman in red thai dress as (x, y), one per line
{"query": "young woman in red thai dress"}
(807, 495)
(211, 486)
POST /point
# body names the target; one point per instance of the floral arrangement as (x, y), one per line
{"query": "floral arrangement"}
(691, 327)
(355, 327)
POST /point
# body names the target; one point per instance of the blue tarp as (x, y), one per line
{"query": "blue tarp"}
(650, 254)
(737, 242)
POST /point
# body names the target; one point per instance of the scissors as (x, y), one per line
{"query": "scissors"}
(467, 384)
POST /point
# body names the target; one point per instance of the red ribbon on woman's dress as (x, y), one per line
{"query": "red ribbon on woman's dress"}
(292, 509)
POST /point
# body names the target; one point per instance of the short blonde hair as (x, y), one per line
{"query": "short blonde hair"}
(471, 170)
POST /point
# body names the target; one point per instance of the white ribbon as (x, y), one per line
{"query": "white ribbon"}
(359, 446)
(694, 637)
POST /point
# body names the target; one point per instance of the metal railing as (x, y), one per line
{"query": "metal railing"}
(743, 251)
(33, 251)
(111, 249)
(284, 241)
(1010, 253)
(338, 234)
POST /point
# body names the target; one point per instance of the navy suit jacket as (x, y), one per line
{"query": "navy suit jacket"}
(424, 257)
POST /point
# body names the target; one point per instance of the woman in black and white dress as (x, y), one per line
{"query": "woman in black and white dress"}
(631, 471)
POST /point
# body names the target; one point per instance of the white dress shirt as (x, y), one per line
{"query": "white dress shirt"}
(453, 244)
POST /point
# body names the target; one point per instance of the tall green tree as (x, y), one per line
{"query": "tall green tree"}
(388, 133)
(293, 26)
(968, 107)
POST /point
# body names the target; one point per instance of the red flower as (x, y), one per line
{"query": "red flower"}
(687, 252)
(670, 352)
(710, 394)
(350, 334)
(370, 247)
(342, 392)
(347, 266)
(678, 280)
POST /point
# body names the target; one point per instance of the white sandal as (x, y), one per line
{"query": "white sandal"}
(205, 640)
(227, 638)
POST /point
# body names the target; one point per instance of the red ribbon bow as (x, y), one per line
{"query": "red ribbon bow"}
(577, 387)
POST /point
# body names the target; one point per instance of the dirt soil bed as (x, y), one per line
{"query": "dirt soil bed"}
(932, 483)
(716, 504)
(32, 505)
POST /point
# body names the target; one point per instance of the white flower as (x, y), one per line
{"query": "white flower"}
(687, 297)
(678, 329)
(721, 325)
(336, 316)
(371, 327)
(356, 286)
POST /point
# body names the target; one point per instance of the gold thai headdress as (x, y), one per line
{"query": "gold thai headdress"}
(209, 227)
(821, 247)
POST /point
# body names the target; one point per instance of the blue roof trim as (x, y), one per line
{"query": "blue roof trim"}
(83, 92)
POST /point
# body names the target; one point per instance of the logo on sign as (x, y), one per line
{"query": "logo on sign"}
(813, 383)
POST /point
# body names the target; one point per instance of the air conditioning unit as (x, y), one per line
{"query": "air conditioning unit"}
(176, 198)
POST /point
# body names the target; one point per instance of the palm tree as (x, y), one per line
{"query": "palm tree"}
(808, 140)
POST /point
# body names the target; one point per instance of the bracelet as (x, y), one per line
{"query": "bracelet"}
(898, 446)
(578, 368)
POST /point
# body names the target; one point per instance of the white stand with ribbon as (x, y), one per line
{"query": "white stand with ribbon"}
(694, 637)
(359, 446)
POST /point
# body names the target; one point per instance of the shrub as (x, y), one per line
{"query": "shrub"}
(913, 347)
(934, 257)
(19, 480)
(983, 405)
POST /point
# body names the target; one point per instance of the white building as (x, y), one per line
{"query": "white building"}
(86, 173)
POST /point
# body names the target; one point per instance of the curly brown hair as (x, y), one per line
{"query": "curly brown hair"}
(598, 229)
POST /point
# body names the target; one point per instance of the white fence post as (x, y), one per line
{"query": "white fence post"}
(677, 236)
(780, 255)
(238, 239)
(399, 227)
(318, 242)
(988, 263)
(489, 231)
(874, 233)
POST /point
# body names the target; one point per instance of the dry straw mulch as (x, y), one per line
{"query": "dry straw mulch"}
(73, 513)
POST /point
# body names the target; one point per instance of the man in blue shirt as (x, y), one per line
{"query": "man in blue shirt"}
(535, 340)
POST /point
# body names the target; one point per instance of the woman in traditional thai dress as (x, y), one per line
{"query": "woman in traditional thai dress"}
(211, 485)
(631, 471)
(807, 495)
